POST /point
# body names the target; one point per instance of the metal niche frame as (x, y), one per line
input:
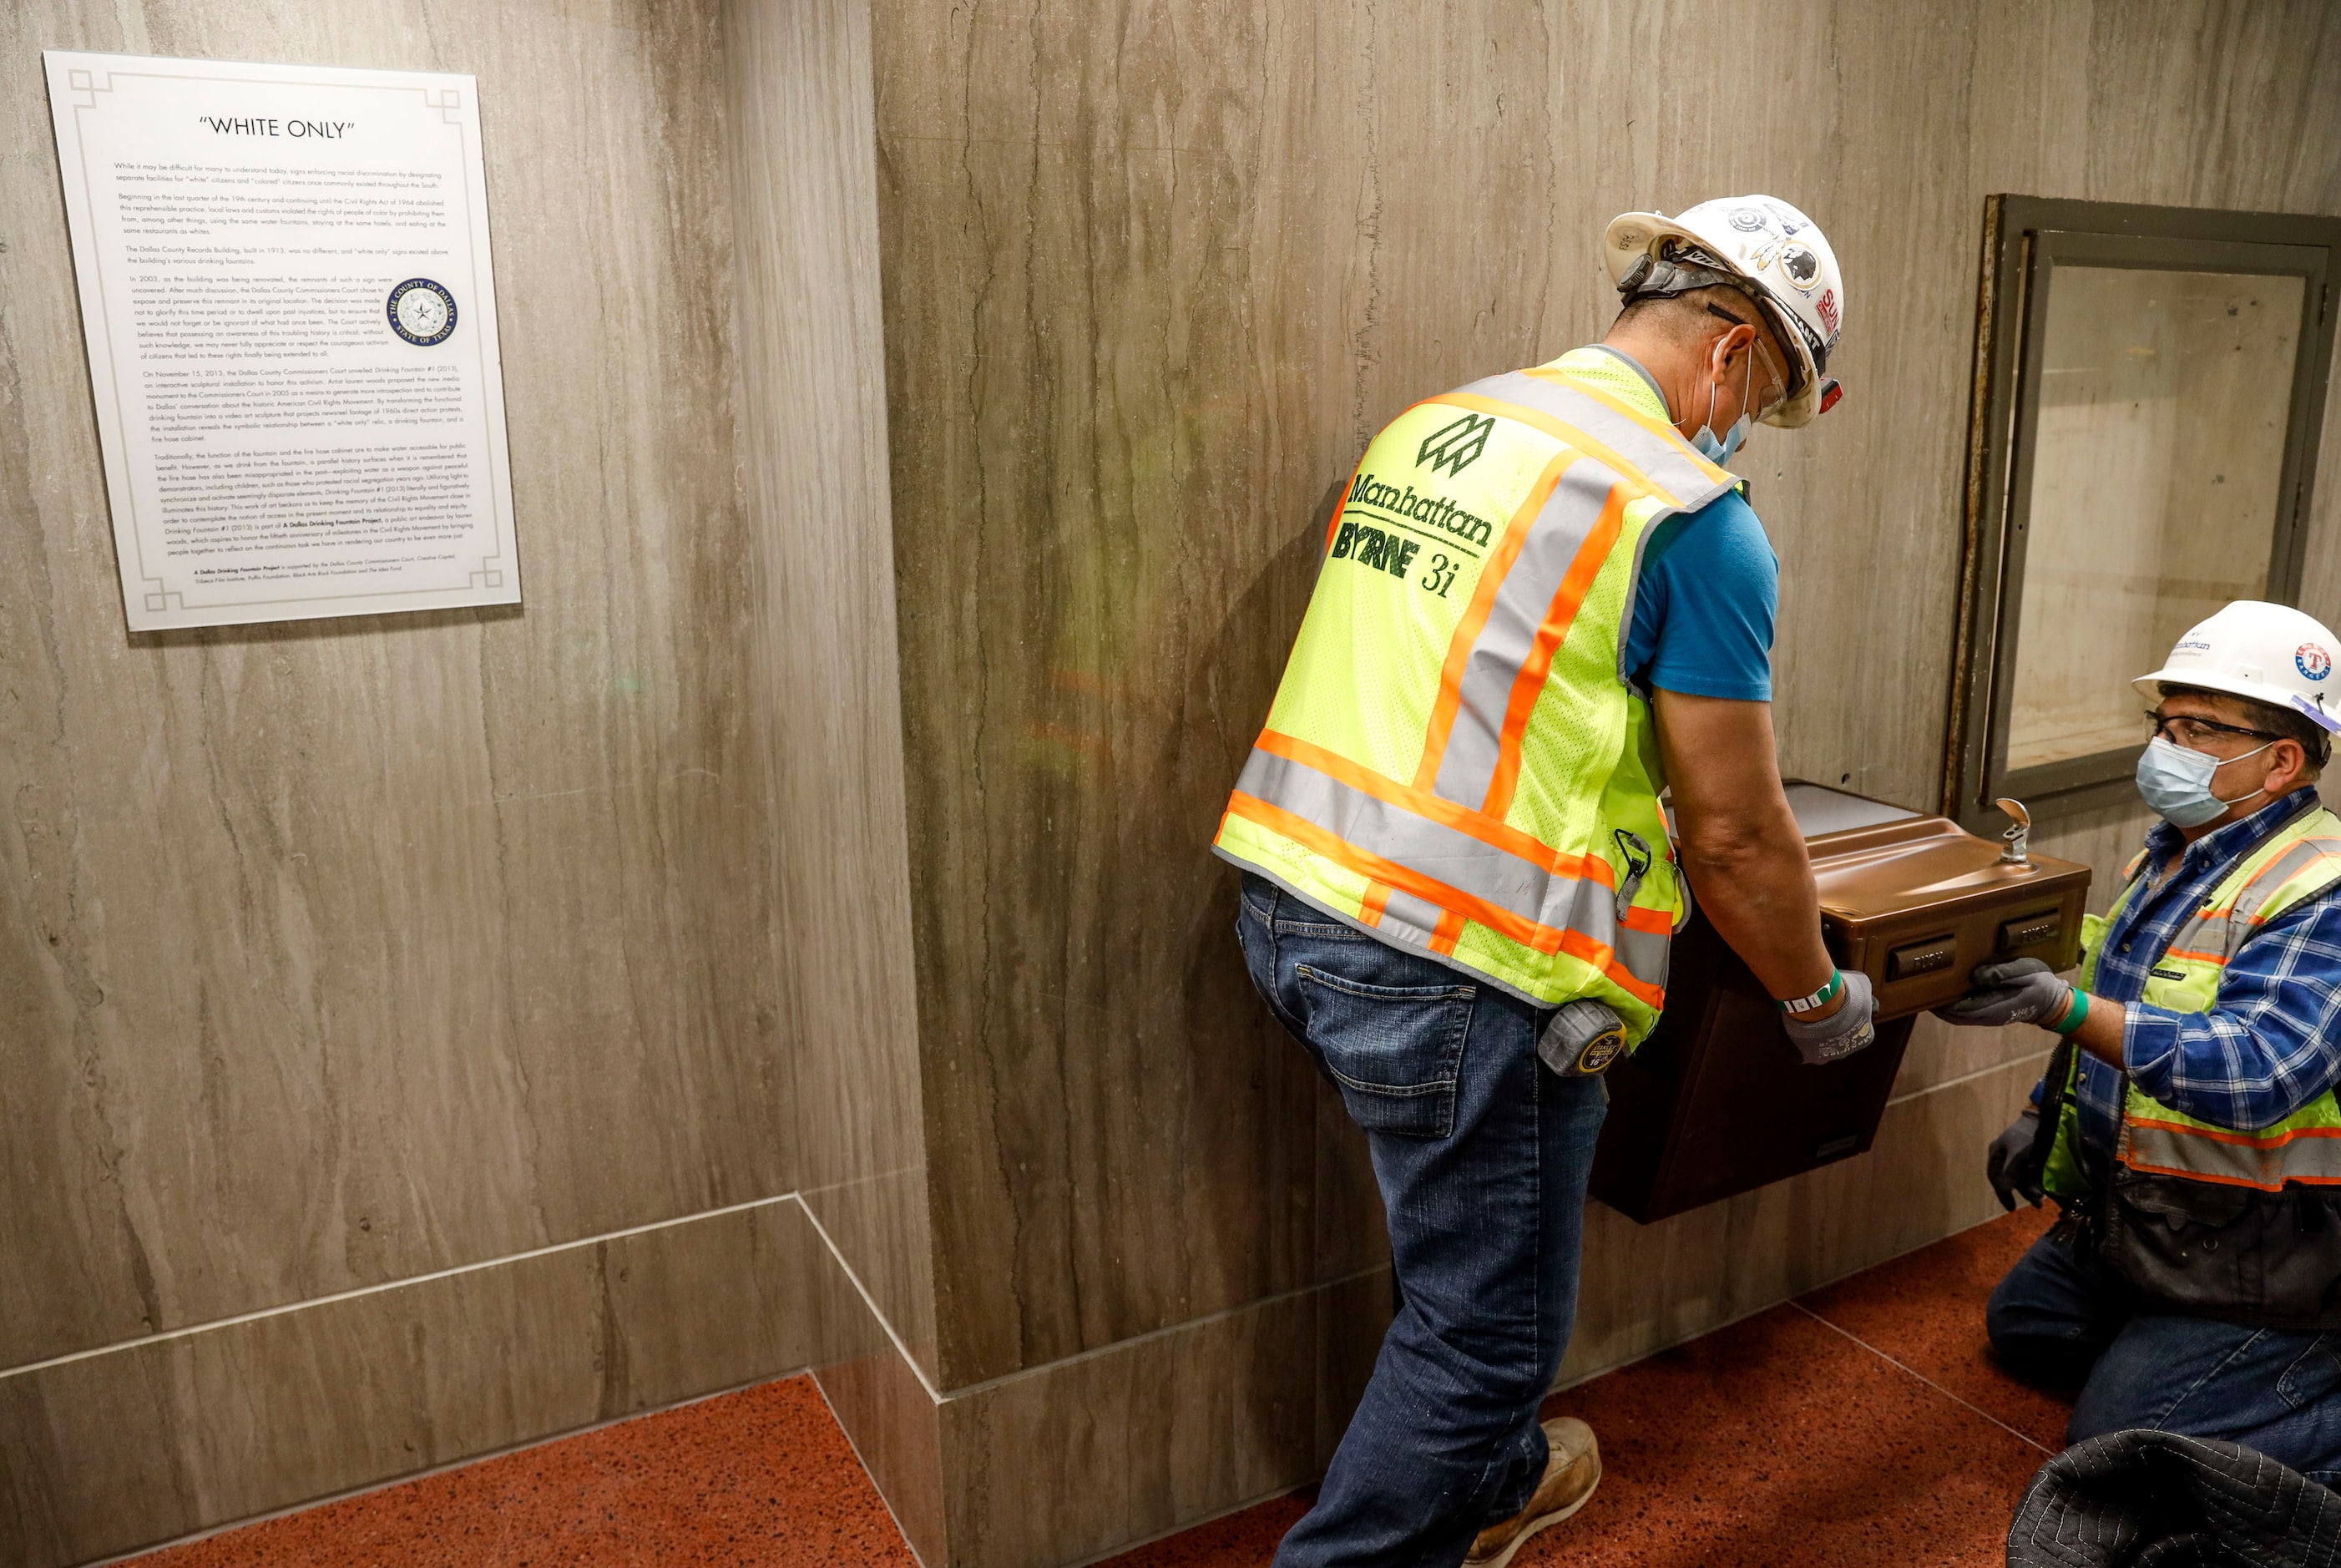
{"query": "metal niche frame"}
(2024, 239)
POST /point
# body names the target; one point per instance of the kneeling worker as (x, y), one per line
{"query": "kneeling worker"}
(1458, 891)
(2188, 1126)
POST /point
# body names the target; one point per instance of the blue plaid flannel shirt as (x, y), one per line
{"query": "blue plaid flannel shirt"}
(2274, 1041)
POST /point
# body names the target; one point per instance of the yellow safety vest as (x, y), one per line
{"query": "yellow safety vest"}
(2300, 860)
(1454, 759)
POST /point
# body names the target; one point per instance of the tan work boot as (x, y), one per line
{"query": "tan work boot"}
(1570, 1474)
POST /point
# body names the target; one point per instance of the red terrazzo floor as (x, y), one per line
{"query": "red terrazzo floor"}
(1862, 1426)
(1926, 1312)
(760, 1477)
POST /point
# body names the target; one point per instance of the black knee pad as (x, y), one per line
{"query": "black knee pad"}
(2052, 1362)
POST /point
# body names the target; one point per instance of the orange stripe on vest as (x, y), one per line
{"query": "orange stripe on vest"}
(1456, 904)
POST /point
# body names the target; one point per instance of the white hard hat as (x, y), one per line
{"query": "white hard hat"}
(1773, 246)
(2271, 653)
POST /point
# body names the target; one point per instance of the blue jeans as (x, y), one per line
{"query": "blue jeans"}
(2059, 1318)
(1482, 1155)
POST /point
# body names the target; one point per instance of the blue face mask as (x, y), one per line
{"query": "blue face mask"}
(1719, 452)
(2176, 781)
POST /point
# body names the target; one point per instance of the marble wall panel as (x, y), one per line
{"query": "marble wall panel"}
(1154, 1434)
(1942, 1053)
(1073, 722)
(895, 1426)
(825, 682)
(119, 1448)
(338, 952)
(1152, 274)
(2320, 577)
(887, 1409)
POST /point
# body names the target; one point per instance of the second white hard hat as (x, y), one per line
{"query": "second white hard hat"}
(2271, 653)
(1773, 246)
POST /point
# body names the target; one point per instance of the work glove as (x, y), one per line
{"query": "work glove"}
(1842, 1033)
(2021, 991)
(2010, 1150)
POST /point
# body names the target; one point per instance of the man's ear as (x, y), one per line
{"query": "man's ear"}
(1733, 341)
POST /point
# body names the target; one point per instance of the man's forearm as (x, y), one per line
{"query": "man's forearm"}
(2101, 1031)
(1741, 844)
(1760, 897)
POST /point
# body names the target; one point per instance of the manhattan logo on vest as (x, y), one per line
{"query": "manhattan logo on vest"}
(1456, 446)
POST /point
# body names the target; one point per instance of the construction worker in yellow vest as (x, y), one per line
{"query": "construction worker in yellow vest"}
(1543, 599)
(2186, 1124)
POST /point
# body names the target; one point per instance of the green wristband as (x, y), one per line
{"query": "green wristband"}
(1818, 999)
(2074, 1014)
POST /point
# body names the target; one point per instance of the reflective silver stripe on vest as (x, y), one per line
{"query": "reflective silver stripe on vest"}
(1665, 463)
(1498, 877)
(1466, 769)
(1409, 919)
(2301, 857)
(2303, 1157)
(2224, 934)
(1644, 953)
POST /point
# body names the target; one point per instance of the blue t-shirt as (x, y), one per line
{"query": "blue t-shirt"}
(1704, 610)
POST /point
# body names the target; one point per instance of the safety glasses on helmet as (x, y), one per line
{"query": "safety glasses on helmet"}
(2181, 730)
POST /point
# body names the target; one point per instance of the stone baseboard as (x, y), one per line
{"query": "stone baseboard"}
(135, 1445)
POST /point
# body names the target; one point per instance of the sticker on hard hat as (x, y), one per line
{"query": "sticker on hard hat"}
(2313, 661)
(2309, 706)
(1803, 267)
(1827, 306)
(1750, 220)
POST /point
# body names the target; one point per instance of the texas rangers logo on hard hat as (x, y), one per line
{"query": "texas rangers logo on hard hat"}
(2313, 660)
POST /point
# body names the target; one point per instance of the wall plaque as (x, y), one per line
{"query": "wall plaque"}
(291, 320)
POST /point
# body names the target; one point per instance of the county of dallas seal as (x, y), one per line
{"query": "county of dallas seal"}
(422, 311)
